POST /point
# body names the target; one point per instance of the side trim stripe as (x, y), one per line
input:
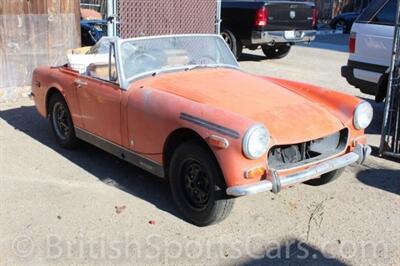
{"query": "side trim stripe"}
(121, 152)
(209, 125)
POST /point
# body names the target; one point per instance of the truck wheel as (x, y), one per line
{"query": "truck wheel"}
(61, 122)
(277, 51)
(197, 185)
(326, 178)
(233, 42)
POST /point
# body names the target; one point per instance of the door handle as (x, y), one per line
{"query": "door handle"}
(80, 82)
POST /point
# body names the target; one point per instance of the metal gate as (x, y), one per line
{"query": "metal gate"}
(390, 140)
(154, 17)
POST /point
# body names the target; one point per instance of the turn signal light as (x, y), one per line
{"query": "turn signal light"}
(255, 173)
(218, 142)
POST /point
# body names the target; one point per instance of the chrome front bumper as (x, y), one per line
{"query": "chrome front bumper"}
(270, 37)
(276, 183)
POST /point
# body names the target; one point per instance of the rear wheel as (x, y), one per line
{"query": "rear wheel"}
(326, 178)
(61, 122)
(197, 185)
(233, 42)
(276, 51)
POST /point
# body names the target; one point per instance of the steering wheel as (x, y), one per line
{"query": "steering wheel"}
(142, 63)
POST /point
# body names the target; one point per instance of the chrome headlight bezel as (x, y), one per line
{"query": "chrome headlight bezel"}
(256, 131)
(363, 115)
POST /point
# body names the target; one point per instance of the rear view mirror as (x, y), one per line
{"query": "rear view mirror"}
(112, 70)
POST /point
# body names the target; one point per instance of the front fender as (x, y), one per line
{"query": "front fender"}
(152, 115)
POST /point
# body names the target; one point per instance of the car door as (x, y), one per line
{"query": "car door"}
(99, 97)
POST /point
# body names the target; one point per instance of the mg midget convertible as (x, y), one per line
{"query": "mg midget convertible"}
(182, 109)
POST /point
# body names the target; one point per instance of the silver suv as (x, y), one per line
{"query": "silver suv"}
(370, 47)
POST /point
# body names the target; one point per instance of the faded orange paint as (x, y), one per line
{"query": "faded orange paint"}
(142, 117)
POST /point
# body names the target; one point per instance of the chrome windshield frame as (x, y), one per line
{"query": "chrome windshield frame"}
(126, 81)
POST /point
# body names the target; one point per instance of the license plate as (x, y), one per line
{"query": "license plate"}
(293, 35)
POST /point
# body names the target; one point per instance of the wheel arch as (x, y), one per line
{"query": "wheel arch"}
(178, 137)
(50, 93)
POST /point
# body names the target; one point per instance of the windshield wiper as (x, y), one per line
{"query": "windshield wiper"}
(200, 66)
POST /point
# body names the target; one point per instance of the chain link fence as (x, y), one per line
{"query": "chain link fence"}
(154, 17)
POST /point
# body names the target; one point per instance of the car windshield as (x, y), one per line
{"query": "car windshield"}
(168, 53)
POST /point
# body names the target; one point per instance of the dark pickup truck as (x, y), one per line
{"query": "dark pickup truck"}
(275, 25)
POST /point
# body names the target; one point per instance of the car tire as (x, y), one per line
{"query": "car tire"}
(326, 178)
(341, 24)
(233, 42)
(61, 122)
(198, 186)
(277, 51)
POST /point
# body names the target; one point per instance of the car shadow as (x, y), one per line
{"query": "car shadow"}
(293, 252)
(252, 57)
(384, 179)
(106, 167)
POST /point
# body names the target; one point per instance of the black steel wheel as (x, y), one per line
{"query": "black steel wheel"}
(61, 122)
(197, 185)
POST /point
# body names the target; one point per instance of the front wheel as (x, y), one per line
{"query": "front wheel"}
(326, 178)
(197, 185)
(276, 51)
(61, 122)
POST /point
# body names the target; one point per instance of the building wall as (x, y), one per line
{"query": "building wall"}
(33, 33)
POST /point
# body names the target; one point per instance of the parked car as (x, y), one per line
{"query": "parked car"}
(92, 31)
(273, 25)
(370, 47)
(344, 21)
(180, 108)
(93, 27)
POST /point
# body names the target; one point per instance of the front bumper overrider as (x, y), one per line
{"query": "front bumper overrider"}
(276, 182)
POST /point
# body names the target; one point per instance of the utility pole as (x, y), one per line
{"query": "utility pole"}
(112, 17)
(218, 17)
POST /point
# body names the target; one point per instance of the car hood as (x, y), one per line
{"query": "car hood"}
(289, 117)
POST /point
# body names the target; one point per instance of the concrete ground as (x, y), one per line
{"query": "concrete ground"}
(88, 207)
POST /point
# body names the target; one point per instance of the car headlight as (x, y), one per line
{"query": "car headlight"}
(255, 142)
(363, 115)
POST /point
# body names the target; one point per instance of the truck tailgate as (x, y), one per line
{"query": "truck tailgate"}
(290, 15)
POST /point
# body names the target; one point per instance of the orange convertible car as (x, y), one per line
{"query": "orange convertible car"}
(180, 107)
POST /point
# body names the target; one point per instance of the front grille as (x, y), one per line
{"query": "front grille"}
(289, 156)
